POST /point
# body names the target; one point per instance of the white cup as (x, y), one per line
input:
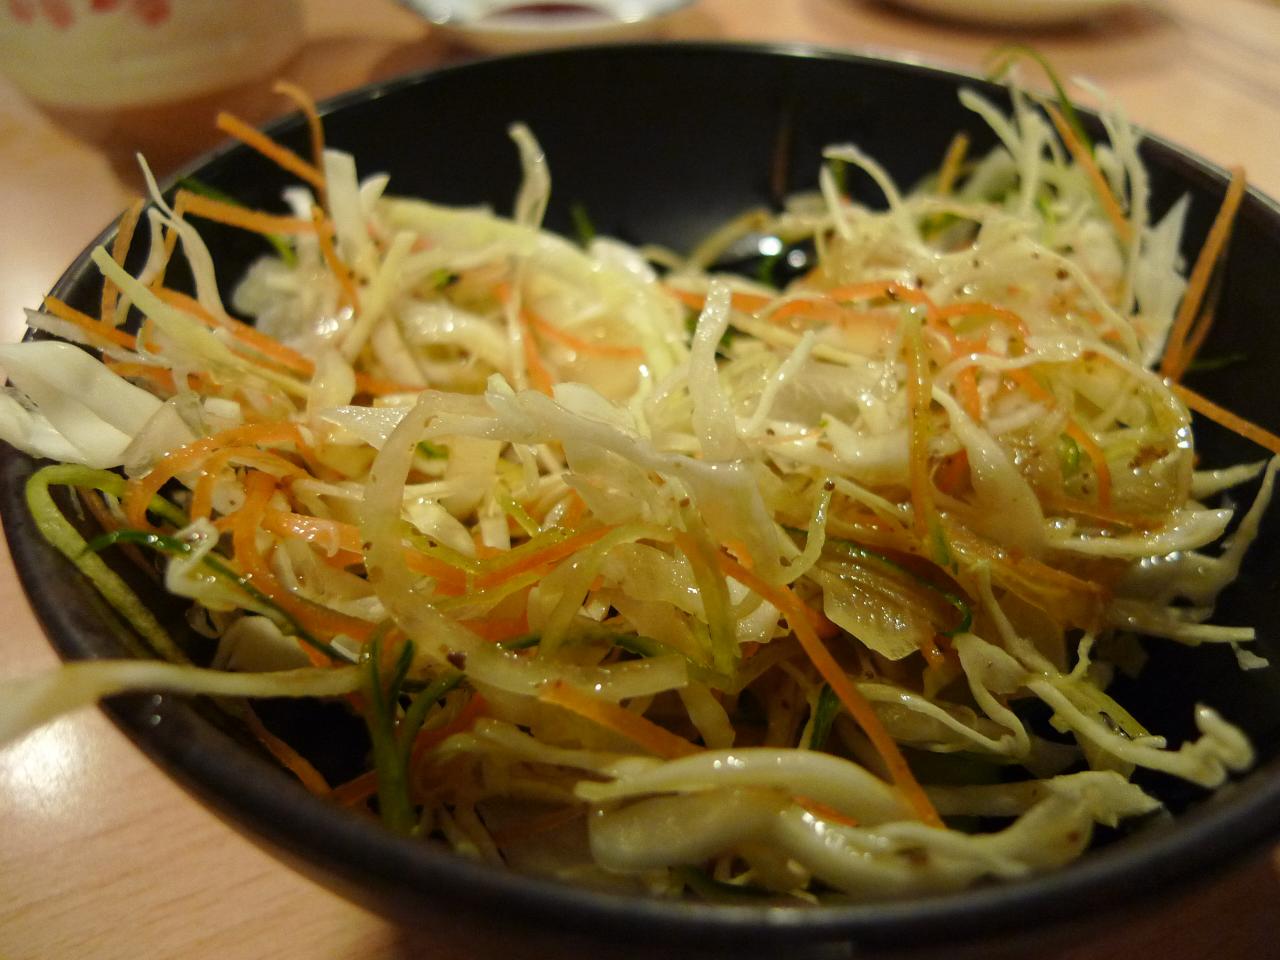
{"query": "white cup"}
(91, 55)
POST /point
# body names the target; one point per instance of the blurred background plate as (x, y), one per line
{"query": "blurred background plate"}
(1015, 13)
(510, 25)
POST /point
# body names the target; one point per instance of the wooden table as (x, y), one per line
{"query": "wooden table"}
(101, 856)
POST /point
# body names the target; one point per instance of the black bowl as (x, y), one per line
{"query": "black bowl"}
(658, 143)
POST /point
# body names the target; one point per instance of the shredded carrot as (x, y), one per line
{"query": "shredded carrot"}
(361, 788)
(820, 305)
(95, 328)
(345, 539)
(498, 629)
(119, 250)
(288, 757)
(472, 710)
(953, 475)
(576, 510)
(234, 216)
(1101, 470)
(161, 377)
(547, 557)
(307, 105)
(857, 705)
(539, 374)
(888, 289)
(951, 162)
(1031, 385)
(250, 136)
(631, 726)
(1097, 459)
(171, 237)
(1084, 159)
(141, 490)
(1224, 417)
(565, 339)
(341, 272)
(270, 348)
(1180, 350)
(356, 790)
(246, 523)
(825, 811)
(746, 302)
(259, 342)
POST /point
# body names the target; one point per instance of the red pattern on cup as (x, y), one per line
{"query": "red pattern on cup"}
(152, 12)
(62, 14)
(24, 11)
(58, 12)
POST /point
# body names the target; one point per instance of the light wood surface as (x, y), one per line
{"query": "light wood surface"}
(101, 856)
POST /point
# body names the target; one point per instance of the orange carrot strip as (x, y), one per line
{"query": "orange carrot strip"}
(566, 339)
(746, 302)
(141, 490)
(341, 272)
(89, 325)
(256, 340)
(233, 216)
(232, 125)
(858, 706)
(576, 510)
(1178, 354)
(363, 787)
(952, 475)
(967, 388)
(890, 289)
(872, 290)
(161, 377)
(1084, 159)
(541, 558)
(642, 732)
(472, 710)
(498, 629)
(539, 374)
(356, 790)
(244, 539)
(269, 347)
(307, 105)
(201, 506)
(1029, 383)
(345, 538)
(1224, 417)
(1096, 457)
(288, 757)
(171, 237)
(119, 250)
(825, 811)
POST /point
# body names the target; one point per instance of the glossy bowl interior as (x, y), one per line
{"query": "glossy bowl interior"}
(659, 143)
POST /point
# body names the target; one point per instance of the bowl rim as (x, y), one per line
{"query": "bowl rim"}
(250, 792)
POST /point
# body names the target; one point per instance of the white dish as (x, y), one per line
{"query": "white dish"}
(501, 26)
(1015, 13)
